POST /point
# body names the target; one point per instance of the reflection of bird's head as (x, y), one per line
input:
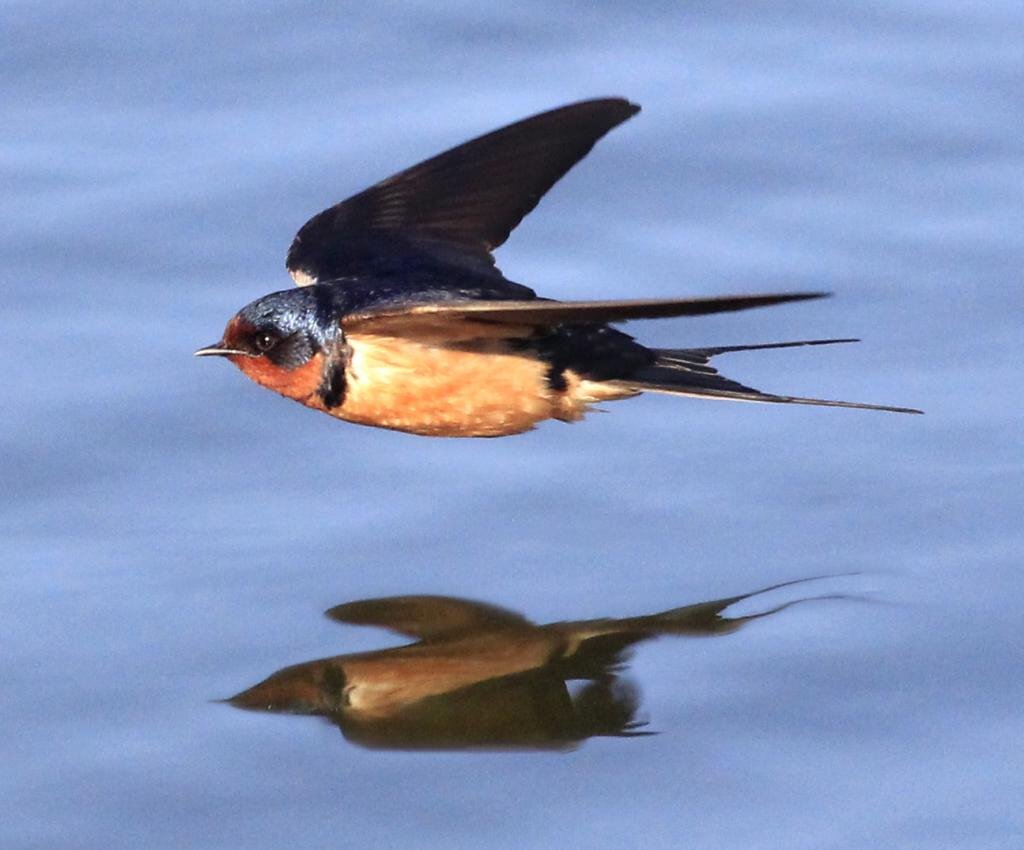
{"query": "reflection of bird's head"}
(279, 340)
(310, 688)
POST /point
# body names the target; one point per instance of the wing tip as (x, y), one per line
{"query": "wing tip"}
(615, 101)
(632, 107)
(805, 296)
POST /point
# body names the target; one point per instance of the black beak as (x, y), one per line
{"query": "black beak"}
(217, 348)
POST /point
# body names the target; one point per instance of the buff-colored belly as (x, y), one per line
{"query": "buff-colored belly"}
(479, 389)
(483, 391)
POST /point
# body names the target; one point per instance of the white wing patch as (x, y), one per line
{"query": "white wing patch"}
(302, 277)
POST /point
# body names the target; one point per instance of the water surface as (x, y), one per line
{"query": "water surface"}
(171, 531)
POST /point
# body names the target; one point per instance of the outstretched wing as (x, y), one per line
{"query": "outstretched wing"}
(426, 617)
(505, 317)
(456, 207)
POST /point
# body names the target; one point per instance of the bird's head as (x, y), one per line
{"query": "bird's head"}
(315, 687)
(279, 341)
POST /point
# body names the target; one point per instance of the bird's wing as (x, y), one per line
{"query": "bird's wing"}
(426, 617)
(458, 206)
(454, 319)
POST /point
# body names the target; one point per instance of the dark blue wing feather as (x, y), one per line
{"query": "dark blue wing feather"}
(453, 209)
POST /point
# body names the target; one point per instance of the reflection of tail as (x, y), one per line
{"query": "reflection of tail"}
(705, 618)
(687, 372)
(608, 707)
(596, 647)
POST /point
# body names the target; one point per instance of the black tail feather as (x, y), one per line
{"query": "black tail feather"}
(687, 372)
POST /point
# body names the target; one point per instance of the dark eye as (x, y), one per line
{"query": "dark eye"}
(263, 341)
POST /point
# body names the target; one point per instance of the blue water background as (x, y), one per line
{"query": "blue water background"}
(171, 533)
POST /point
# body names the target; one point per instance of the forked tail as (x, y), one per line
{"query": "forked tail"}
(687, 372)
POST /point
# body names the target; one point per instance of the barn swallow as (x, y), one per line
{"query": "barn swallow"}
(480, 676)
(403, 321)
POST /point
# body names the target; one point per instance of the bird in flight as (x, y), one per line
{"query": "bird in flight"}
(402, 320)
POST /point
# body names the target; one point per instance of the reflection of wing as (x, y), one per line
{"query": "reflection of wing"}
(462, 203)
(397, 320)
(427, 617)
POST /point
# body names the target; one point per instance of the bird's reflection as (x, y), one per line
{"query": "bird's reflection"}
(480, 676)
